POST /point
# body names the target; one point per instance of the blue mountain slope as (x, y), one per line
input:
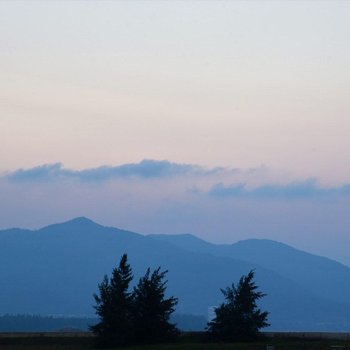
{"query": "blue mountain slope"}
(320, 276)
(55, 270)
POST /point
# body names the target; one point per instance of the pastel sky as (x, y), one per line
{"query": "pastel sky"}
(227, 119)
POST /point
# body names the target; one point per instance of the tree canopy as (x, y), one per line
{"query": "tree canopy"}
(114, 306)
(138, 316)
(238, 317)
(151, 309)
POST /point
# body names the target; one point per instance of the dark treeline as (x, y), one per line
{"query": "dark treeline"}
(39, 323)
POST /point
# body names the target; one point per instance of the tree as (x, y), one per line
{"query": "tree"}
(152, 310)
(114, 306)
(140, 316)
(239, 318)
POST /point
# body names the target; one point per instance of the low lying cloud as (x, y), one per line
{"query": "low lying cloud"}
(297, 189)
(146, 169)
(212, 182)
(44, 172)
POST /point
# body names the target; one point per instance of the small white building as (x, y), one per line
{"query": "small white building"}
(211, 313)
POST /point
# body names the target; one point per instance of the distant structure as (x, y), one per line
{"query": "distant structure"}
(211, 313)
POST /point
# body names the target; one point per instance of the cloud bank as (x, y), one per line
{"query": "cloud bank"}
(146, 169)
(297, 189)
(236, 182)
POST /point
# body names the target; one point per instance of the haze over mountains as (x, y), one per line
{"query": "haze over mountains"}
(55, 270)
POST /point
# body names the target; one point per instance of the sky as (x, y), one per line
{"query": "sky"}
(226, 119)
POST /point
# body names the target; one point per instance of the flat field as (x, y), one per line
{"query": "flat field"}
(77, 343)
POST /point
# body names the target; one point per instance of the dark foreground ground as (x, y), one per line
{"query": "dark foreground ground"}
(42, 342)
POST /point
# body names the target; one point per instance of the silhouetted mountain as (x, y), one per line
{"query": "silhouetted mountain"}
(55, 270)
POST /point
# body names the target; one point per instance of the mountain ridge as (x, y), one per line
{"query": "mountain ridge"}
(298, 265)
(60, 266)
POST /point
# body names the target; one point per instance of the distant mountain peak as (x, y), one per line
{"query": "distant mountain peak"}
(78, 222)
(264, 243)
(175, 236)
(81, 220)
(261, 241)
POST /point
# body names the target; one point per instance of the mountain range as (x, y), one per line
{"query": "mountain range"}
(55, 271)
